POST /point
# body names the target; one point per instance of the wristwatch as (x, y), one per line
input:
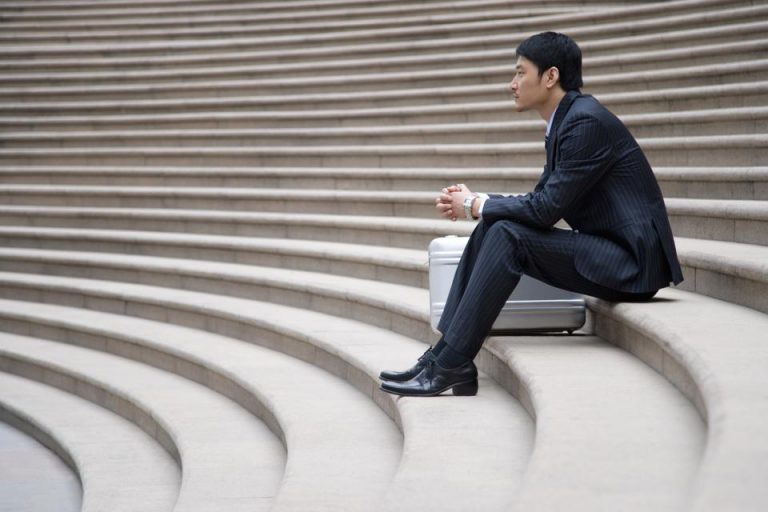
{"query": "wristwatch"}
(468, 202)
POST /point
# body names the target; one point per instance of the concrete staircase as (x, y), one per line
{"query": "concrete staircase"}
(213, 229)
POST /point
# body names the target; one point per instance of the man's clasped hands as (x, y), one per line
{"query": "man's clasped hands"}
(450, 202)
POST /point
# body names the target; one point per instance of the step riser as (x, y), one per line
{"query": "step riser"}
(218, 323)
(40, 120)
(31, 117)
(469, 135)
(327, 264)
(590, 69)
(706, 225)
(89, 390)
(745, 188)
(500, 80)
(484, 29)
(594, 48)
(741, 230)
(448, 157)
(257, 15)
(410, 240)
(732, 33)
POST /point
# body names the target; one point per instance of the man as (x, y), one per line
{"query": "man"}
(596, 178)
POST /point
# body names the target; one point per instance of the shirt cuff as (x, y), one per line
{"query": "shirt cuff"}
(482, 198)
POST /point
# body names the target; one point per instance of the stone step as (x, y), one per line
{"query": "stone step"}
(634, 108)
(410, 233)
(192, 423)
(738, 150)
(727, 220)
(378, 263)
(646, 18)
(592, 42)
(746, 120)
(722, 269)
(59, 18)
(37, 478)
(456, 68)
(730, 271)
(436, 432)
(116, 29)
(744, 221)
(715, 352)
(462, 104)
(361, 447)
(628, 486)
(693, 182)
(115, 461)
(737, 71)
(457, 60)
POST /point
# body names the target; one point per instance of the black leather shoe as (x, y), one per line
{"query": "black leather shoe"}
(409, 373)
(434, 379)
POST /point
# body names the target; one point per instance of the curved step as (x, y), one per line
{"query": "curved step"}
(636, 60)
(643, 18)
(736, 70)
(715, 352)
(744, 150)
(676, 182)
(724, 219)
(41, 480)
(360, 446)
(120, 467)
(729, 30)
(731, 271)
(590, 435)
(225, 117)
(734, 121)
(356, 352)
(734, 272)
(192, 423)
(379, 263)
(688, 430)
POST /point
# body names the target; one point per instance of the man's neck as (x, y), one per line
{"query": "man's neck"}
(550, 106)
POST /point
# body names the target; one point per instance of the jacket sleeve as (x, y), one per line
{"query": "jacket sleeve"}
(585, 152)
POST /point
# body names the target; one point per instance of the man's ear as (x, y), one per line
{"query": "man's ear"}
(552, 76)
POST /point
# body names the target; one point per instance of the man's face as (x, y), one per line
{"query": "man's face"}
(528, 88)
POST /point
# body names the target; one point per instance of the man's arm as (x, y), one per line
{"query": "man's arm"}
(585, 152)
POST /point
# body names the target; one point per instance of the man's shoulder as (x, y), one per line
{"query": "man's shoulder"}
(586, 106)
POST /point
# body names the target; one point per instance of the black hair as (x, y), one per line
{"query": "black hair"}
(552, 49)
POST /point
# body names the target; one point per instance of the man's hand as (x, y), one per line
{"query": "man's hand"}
(450, 202)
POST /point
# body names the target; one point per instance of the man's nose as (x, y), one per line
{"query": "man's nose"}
(513, 85)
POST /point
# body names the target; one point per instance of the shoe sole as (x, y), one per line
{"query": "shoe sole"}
(468, 388)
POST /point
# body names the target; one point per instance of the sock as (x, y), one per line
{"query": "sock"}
(439, 346)
(450, 359)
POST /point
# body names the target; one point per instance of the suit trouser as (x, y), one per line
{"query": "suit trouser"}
(493, 261)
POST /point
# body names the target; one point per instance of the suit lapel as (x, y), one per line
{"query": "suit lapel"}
(562, 109)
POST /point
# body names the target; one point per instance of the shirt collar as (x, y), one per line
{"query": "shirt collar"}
(549, 123)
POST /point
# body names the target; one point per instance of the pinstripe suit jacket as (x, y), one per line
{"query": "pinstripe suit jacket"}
(598, 179)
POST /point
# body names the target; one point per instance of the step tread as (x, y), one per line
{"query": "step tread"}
(114, 459)
(752, 113)
(368, 349)
(519, 24)
(396, 256)
(476, 58)
(690, 428)
(697, 173)
(723, 347)
(360, 446)
(739, 259)
(200, 422)
(579, 386)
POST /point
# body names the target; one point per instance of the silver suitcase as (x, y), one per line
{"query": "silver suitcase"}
(533, 306)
